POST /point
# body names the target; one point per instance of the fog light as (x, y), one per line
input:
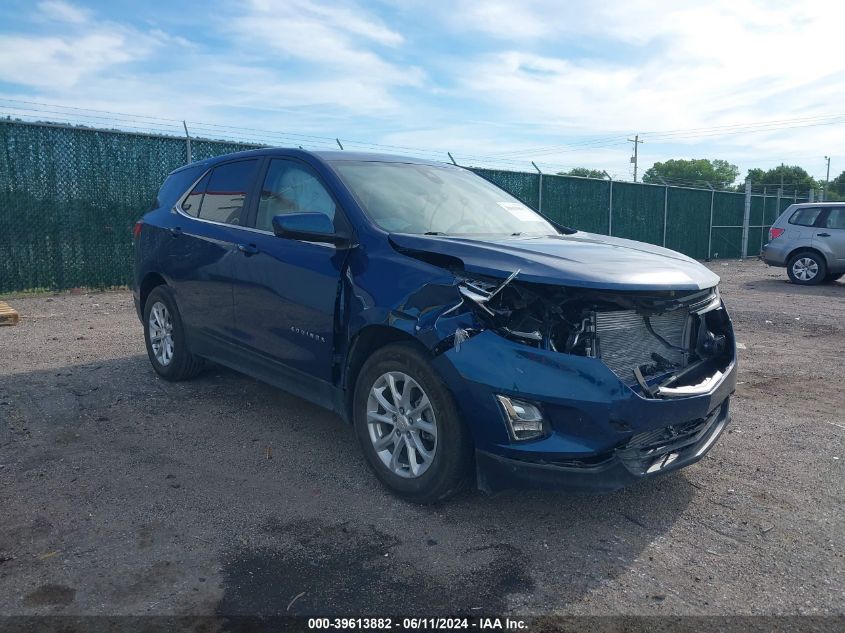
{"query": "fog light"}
(524, 419)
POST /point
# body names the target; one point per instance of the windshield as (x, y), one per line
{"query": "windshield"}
(420, 199)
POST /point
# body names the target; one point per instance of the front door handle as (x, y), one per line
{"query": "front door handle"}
(248, 249)
(176, 231)
(823, 234)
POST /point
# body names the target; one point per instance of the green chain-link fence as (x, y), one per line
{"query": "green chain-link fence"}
(70, 196)
(701, 223)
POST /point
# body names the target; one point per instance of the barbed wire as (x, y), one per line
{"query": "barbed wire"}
(506, 160)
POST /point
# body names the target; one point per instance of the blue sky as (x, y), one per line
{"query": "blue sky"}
(496, 83)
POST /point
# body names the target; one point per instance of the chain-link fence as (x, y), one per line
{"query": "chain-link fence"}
(69, 197)
(701, 223)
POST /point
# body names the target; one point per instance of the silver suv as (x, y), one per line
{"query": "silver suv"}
(809, 239)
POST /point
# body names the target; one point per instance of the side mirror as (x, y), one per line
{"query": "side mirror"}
(307, 227)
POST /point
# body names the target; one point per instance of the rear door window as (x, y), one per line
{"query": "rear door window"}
(806, 216)
(836, 218)
(226, 193)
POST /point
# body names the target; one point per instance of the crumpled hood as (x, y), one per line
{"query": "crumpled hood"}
(583, 260)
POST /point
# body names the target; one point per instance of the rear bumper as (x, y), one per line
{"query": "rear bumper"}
(636, 461)
(774, 254)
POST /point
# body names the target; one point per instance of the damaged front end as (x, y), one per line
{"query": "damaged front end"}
(573, 387)
(661, 344)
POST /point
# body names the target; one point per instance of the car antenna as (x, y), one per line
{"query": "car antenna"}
(338, 143)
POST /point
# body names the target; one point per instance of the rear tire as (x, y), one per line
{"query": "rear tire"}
(806, 268)
(408, 426)
(164, 335)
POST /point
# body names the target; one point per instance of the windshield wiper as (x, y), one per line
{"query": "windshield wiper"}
(435, 233)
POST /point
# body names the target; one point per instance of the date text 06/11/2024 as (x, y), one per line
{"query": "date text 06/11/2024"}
(422, 624)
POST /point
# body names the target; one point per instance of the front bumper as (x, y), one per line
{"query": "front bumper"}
(626, 465)
(596, 424)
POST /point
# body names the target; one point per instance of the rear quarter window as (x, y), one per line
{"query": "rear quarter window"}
(191, 203)
(175, 185)
(805, 217)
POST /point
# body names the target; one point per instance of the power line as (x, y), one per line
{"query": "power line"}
(507, 159)
(703, 132)
(174, 125)
(214, 128)
(254, 136)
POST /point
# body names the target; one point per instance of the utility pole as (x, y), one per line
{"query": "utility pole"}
(826, 178)
(636, 141)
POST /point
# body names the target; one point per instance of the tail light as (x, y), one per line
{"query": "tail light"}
(775, 232)
(136, 230)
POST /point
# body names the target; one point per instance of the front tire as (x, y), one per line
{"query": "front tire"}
(408, 426)
(164, 335)
(806, 268)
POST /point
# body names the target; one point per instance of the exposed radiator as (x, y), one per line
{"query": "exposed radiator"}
(625, 342)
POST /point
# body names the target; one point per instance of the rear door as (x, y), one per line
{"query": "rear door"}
(830, 236)
(205, 232)
(286, 290)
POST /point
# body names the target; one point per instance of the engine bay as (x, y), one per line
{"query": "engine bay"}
(660, 344)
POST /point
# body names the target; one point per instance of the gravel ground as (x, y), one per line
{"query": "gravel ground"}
(124, 494)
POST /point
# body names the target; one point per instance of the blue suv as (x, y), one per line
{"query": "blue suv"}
(458, 330)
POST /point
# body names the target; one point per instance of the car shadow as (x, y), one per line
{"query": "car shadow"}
(781, 286)
(289, 518)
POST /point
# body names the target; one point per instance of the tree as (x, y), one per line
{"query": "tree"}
(837, 185)
(793, 177)
(584, 172)
(697, 172)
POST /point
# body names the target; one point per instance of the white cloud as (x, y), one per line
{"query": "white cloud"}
(657, 66)
(336, 17)
(63, 62)
(83, 49)
(501, 19)
(345, 51)
(63, 11)
(474, 78)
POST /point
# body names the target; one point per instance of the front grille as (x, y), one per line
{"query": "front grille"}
(653, 450)
(625, 342)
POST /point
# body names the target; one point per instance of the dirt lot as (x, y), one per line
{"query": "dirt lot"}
(124, 494)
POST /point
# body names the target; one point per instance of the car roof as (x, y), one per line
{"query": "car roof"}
(325, 156)
(817, 204)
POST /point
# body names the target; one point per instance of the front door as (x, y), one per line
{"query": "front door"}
(286, 291)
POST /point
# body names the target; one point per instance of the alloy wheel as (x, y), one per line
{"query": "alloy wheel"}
(402, 425)
(161, 333)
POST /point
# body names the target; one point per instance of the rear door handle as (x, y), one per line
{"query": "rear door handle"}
(248, 249)
(823, 234)
(176, 231)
